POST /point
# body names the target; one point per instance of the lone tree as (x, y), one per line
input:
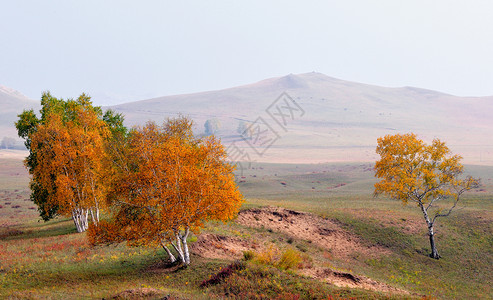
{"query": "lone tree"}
(67, 158)
(212, 126)
(7, 143)
(427, 175)
(170, 184)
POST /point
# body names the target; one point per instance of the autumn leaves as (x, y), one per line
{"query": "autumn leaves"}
(170, 184)
(156, 184)
(427, 175)
(67, 156)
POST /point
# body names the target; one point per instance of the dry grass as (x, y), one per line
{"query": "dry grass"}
(50, 260)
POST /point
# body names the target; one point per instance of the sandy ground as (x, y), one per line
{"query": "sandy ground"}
(325, 233)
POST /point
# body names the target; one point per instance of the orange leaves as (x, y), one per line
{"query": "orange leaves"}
(171, 181)
(69, 149)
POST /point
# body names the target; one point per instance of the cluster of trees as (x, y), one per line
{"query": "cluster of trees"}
(155, 184)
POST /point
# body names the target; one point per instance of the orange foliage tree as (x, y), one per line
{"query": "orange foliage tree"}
(170, 184)
(427, 175)
(67, 158)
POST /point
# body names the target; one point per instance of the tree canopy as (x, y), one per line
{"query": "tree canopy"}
(170, 184)
(67, 157)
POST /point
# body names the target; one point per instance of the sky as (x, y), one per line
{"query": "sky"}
(119, 51)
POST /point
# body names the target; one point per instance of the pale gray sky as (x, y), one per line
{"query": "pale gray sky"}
(133, 50)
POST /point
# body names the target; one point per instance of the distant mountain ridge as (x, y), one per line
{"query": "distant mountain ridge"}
(12, 103)
(342, 119)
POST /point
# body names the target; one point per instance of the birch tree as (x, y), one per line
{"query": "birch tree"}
(427, 175)
(66, 158)
(171, 184)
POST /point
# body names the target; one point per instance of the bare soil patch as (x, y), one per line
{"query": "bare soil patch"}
(343, 279)
(325, 233)
(142, 293)
(221, 247)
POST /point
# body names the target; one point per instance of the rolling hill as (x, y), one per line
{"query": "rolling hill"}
(12, 103)
(326, 119)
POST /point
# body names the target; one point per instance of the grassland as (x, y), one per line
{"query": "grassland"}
(50, 260)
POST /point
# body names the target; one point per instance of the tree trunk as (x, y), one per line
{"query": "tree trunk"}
(186, 253)
(79, 216)
(181, 246)
(178, 248)
(434, 252)
(75, 217)
(431, 233)
(95, 215)
(172, 258)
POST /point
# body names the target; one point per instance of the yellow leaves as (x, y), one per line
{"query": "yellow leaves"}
(411, 170)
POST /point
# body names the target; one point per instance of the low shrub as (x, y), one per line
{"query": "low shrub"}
(290, 259)
(272, 256)
(248, 255)
(223, 274)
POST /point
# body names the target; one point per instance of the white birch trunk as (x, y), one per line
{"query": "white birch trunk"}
(431, 233)
(80, 216)
(178, 248)
(172, 258)
(186, 253)
(181, 246)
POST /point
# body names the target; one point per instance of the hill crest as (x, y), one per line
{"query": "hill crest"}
(342, 119)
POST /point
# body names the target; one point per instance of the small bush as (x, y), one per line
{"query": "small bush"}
(271, 256)
(290, 259)
(268, 256)
(248, 255)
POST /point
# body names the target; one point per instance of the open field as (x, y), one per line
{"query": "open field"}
(379, 247)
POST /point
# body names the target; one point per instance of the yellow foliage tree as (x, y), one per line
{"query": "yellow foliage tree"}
(170, 185)
(427, 175)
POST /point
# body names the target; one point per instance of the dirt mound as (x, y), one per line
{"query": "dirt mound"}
(325, 233)
(221, 247)
(344, 279)
(142, 293)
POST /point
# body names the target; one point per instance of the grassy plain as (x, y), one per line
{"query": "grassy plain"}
(50, 260)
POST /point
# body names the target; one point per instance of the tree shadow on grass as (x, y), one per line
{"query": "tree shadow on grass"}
(50, 229)
(77, 280)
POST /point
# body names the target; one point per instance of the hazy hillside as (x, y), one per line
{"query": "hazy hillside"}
(335, 120)
(12, 103)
